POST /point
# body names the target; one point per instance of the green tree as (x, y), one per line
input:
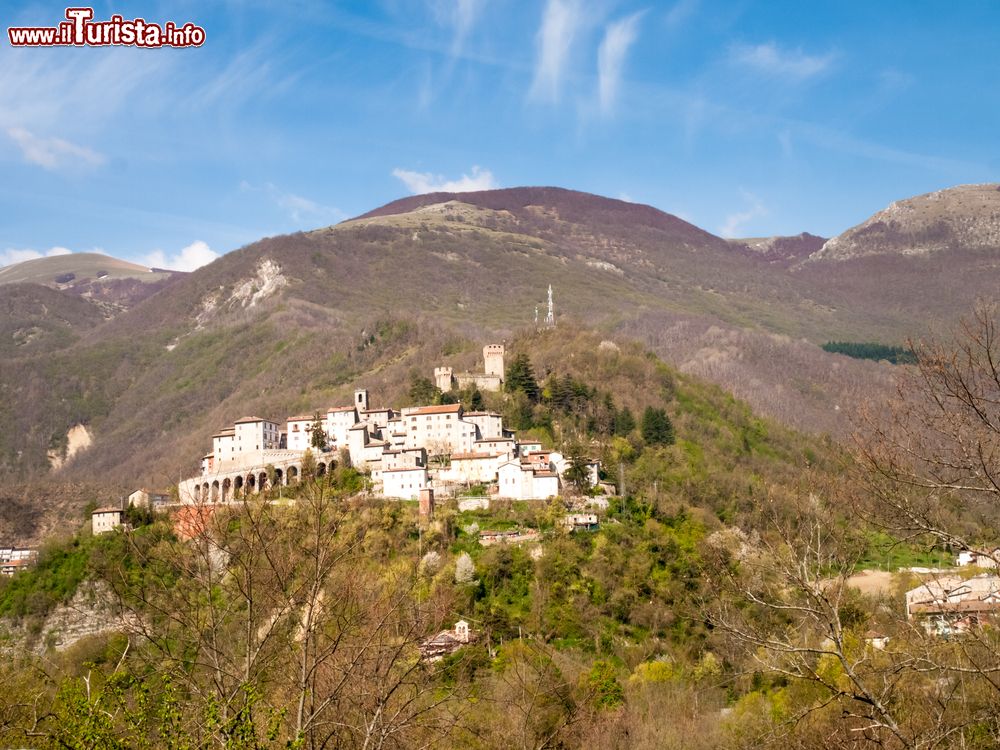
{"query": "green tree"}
(423, 391)
(317, 435)
(520, 377)
(624, 422)
(657, 429)
(578, 473)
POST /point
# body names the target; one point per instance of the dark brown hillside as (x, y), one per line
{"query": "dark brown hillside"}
(528, 203)
(36, 319)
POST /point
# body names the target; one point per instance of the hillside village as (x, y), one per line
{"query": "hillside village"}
(440, 447)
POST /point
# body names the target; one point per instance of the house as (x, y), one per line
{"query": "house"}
(949, 604)
(255, 434)
(473, 468)
(104, 520)
(143, 498)
(404, 483)
(446, 642)
(490, 423)
(978, 559)
(13, 559)
(299, 432)
(526, 481)
(489, 537)
(580, 522)
(439, 429)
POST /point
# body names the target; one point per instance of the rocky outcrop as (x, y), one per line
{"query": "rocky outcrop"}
(966, 217)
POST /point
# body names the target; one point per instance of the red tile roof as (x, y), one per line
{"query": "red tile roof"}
(251, 420)
(442, 409)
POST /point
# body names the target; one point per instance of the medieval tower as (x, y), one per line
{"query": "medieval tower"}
(493, 359)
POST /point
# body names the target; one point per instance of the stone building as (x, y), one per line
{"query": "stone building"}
(104, 520)
(490, 379)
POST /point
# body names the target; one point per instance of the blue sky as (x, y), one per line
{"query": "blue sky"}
(744, 118)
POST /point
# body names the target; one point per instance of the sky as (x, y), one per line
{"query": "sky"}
(745, 118)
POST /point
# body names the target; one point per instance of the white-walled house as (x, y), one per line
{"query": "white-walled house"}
(490, 423)
(519, 481)
(473, 468)
(439, 429)
(224, 445)
(338, 421)
(256, 434)
(299, 432)
(404, 483)
(104, 520)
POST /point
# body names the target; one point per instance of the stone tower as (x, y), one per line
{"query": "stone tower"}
(493, 359)
(442, 378)
(361, 400)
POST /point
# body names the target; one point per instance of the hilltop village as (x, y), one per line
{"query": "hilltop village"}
(439, 447)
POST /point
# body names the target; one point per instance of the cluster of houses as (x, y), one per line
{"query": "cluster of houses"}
(951, 605)
(440, 447)
(13, 559)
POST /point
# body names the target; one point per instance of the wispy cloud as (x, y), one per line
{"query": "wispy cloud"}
(460, 16)
(618, 38)
(735, 222)
(772, 60)
(560, 22)
(53, 153)
(426, 182)
(297, 207)
(11, 255)
(189, 258)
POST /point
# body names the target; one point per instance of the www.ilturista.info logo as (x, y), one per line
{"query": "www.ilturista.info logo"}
(80, 30)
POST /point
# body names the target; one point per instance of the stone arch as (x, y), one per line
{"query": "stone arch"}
(320, 469)
(205, 493)
(262, 481)
(227, 489)
(279, 477)
(215, 491)
(238, 485)
(251, 484)
(196, 494)
(293, 474)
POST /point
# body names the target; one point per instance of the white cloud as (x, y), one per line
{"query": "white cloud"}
(53, 153)
(11, 255)
(425, 182)
(560, 22)
(192, 257)
(298, 207)
(618, 37)
(735, 222)
(460, 15)
(770, 59)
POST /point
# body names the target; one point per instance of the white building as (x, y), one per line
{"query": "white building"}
(224, 445)
(490, 423)
(104, 520)
(256, 434)
(339, 420)
(299, 432)
(439, 429)
(404, 483)
(473, 468)
(521, 481)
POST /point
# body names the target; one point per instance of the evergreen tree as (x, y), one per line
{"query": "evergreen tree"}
(423, 392)
(476, 402)
(577, 474)
(657, 429)
(521, 377)
(317, 437)
(624, 422)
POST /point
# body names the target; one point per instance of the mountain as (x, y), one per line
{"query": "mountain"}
(110, 284)
(963, 218)
(781, 249)
(294, 323)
